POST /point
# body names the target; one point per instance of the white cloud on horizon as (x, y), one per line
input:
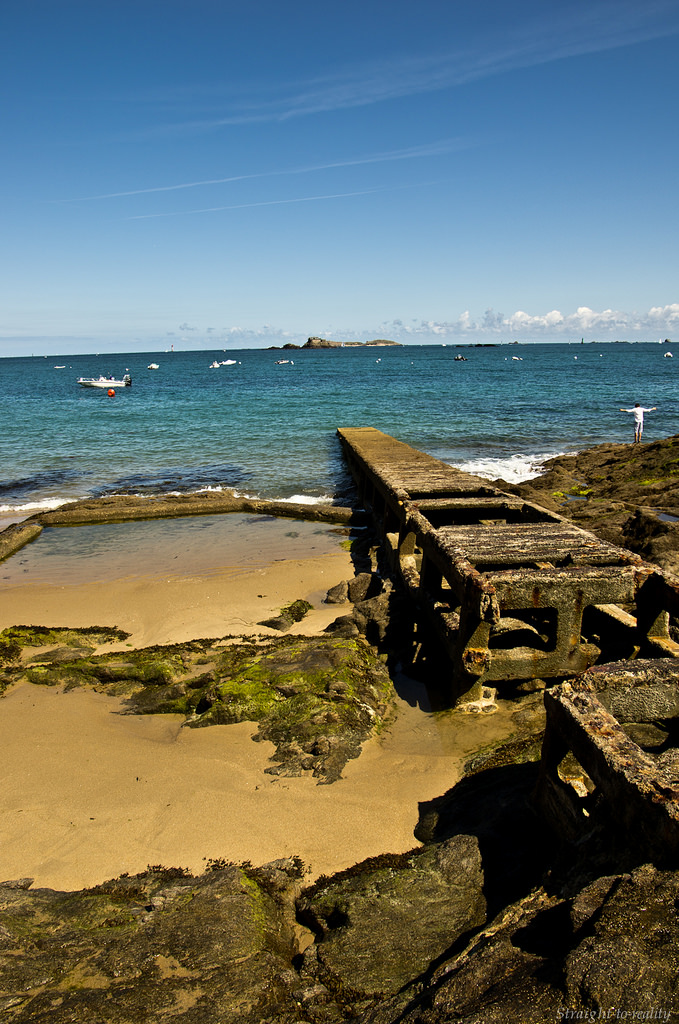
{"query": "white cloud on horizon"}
(547, 326)
(553, 326)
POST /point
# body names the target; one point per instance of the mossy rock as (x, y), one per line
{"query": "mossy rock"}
(316, 698)
(10, 650)
(383, 923)
(48, 636)
(289, 615)
(296, 610)
(118, 675)
(154, 946)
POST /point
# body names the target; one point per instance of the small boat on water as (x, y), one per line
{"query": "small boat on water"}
(153, 366)
(228, 362)
(105, 382)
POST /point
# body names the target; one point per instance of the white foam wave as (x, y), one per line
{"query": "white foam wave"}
(47, 504)
(294, 499)
(515, 469)
(307, 499)
(44, 505)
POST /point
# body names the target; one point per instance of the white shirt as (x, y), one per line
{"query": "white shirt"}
(638, 411)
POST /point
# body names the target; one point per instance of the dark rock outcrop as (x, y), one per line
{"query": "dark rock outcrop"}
(398, 940)
(339, 594)
(15, 536)
(605, 952)
(383, 923)
(159, 946)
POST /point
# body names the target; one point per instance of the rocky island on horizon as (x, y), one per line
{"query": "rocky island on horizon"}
(315, 342)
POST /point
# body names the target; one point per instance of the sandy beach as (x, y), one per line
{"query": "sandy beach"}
(90, 793)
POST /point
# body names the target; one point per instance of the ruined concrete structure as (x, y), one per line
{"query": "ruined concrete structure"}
(592, 771)
(510, 590)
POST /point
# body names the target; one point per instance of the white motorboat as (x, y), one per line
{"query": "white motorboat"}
(105, 382)
(153, 366)
(228, 362)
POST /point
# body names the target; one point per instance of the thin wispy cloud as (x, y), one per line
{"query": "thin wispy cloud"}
(246, 206)
(439, 148)
(164, 188)
(561, 32)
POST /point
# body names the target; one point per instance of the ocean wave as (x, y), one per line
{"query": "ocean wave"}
(515, 469)
(308, 499)
(44, 505)
(47, 504)
(294, 499)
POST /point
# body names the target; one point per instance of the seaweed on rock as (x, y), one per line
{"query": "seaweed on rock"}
(317, 699)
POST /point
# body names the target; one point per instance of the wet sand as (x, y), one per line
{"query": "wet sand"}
(89, 793)
(175, 580)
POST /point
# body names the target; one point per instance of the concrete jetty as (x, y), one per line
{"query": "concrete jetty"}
(510, 590)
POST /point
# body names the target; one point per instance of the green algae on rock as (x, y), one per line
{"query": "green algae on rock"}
(152, 946)
(48, 636)
(20, 643)
(291, 613)
(316, 698)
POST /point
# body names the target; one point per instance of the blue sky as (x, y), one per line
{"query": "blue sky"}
(212, 174)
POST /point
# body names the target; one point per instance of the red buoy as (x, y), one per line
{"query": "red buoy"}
(111, 393)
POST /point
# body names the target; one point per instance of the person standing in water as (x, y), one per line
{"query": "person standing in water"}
(639, 411)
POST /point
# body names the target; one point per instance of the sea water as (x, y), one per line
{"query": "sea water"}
(268, 429)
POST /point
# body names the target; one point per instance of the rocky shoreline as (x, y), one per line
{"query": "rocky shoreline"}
(490, 919)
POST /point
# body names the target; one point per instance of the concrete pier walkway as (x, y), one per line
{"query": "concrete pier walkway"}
(511, 590)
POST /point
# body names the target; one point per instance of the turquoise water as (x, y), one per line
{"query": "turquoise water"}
(270, 430)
